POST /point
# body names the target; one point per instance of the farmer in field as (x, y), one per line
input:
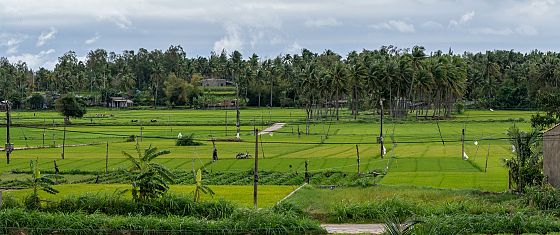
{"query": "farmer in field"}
(214, 152)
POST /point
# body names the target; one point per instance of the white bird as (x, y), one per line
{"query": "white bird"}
(237, 135)
(491, 110)
(384, 150)
(475, 142)
(513, 148)
(180, 135)
(465, 156)
(270, 133)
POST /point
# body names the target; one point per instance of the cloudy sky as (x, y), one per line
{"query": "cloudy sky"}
(39, 31)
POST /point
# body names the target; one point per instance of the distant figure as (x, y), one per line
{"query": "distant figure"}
(214, 152)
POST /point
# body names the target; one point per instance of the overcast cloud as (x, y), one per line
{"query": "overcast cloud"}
(39, 31)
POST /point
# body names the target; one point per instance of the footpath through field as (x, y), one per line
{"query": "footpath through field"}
(272, 128)
(354, 228)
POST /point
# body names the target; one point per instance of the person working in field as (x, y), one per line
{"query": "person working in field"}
(214, 152)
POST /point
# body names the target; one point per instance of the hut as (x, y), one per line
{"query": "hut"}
(551, 152)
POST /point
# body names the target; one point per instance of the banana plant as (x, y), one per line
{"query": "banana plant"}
(38, 182)
(201, 188)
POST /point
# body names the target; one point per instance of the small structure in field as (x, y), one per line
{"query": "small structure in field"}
(120, 102)
(215, 82)
(551, 152)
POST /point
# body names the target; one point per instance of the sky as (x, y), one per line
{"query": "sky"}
(39, 31)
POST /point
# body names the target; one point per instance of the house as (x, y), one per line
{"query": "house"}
(551, 152)
(120, 102)
(215, 82)
(4, 105)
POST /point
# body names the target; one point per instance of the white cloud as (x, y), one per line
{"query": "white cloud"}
(92, 39)
(231, 42)
(11, 42)
(395, 25)
(45, 37)
(432, 25)
(492, 31)
(119, 19)
(526, 30)
(323, 22)
(35, 61)
(465, 18)
(295, 48)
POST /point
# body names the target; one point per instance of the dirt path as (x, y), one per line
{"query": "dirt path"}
(354, 228)
(58, 146)
(272, 128)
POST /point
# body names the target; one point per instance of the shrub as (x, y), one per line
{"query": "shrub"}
(186, 140)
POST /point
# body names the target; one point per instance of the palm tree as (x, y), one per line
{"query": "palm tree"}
(525, 168)
(338, 76)
(356, 75)
(149, 179)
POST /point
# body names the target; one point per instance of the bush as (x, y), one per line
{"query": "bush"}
(544, 198)
(187, 140)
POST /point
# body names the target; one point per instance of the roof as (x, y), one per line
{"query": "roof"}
(549, 129)
(120, 99)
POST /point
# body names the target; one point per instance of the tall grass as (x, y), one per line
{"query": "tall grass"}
(112, 204)
(242, 222)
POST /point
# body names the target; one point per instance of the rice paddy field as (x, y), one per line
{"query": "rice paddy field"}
(418, 152)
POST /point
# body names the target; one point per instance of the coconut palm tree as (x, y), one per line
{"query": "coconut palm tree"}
(338, 77)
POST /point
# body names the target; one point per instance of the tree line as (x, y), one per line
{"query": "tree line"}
(408, 81)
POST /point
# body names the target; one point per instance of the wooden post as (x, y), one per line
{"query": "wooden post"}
(306, 171)
(463, 144)
(237, 113)
(487, 153)
(381, 129)
(226, 123)
(107, 159)
(63, 140)
(44, 131)
(256, 169)
(56, 171)
(141, 131)
(358, 155)
(8, 147)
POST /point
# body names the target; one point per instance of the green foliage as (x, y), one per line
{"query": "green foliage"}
(542, 122)
(240, 222)
(115, 204)
(545, 198)
(149, 179)
(71, 106)
(396, 226)
(515, 223)
(200, 187)
(37, 183)
(525, 168)
(36, 101)
(186, 140)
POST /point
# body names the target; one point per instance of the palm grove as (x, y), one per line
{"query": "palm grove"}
(410, 81)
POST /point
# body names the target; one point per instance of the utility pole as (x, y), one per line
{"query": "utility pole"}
(256, 170)
(9, 147)
(381, 129)
(358, 155)
(487, 153)
(44, 130)
(107, 159)
(63, 140)
(226, 123)
(306, 172)
(463, 144)
(237, 122)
